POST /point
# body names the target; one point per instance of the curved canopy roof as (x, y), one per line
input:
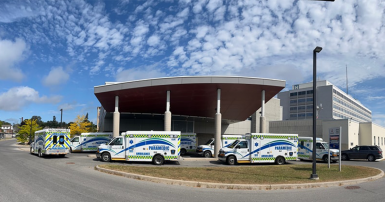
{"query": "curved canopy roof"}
(190, 96)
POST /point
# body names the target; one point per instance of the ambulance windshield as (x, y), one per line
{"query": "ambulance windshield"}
(234, 144)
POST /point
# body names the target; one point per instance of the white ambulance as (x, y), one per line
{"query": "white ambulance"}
(261, 148)
(305, 150)
(188, 143)
(51, 142)
(89, 142)
(155, 146)
(207, 150)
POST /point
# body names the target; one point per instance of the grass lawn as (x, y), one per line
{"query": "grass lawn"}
(256, 174)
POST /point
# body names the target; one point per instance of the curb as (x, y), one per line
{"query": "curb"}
(241, 186)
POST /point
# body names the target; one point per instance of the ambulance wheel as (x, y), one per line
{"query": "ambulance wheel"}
(325, 158)
(158, 160)
(231, 160)
(280, 160)
(183, 152)
(207, 154)
(106, 157)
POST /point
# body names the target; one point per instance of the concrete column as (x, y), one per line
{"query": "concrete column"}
(218, 126)
(167, 114)
(262, 121)
(116, 118)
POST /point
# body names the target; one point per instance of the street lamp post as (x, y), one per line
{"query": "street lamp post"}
(61, 117)
(318, 49)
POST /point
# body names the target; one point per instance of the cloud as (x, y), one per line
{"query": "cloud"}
(18, 97)
(55, 77)
(144, 72)
(11, 53)
(70, 106)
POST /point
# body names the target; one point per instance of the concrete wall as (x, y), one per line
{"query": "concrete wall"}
(369, 131)
(273, 112)
(304, 128)
(284, 98)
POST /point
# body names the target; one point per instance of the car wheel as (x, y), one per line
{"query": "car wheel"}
(344, 157)
(158, 160)
(231, 160)
(325, 158)
(106, 157)
(183, 152)
(280, 160)
(371, 158)
(207, 154)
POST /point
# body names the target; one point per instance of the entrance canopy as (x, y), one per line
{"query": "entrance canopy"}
(190, 96)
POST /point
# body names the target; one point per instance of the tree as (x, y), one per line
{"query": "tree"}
(26, 131)
(79, 126)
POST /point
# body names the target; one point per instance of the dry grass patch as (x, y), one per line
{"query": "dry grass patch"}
(257, 174)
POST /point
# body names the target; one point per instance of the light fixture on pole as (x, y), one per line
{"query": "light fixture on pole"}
(318, 49)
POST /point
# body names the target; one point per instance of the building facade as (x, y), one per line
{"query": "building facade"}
(332, 103)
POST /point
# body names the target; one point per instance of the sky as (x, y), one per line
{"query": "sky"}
(53, 53)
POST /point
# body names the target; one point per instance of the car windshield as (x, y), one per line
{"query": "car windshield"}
(325, 145)
(233, 144)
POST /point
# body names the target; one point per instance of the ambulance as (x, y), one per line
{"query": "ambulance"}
(51, 142)
(89, 142)
(188, 143)
(207, 150)
(261, 148)
(305, 150)
(151, 146)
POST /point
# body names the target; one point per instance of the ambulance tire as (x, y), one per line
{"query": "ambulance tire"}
(158, 160)
(106, 157)
(207, 154)
(231, 160)
(183, 152)
(325, 158)
(280, 160)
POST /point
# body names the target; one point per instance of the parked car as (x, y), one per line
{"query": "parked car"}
(362, 152)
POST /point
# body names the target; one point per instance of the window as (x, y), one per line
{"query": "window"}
(309, 107)
(293, 108)
(374, 140)
(301, 108)
(54, 141)
(117, 141)
(309, 114)
(301, 100)
(364, 148)
(293, 94)
(242, 145)
(76, 139)
(319, 146)
(61, 139)
(309, 99)
(310, 92)
(293, 101)
(302, 93)
(293, 115)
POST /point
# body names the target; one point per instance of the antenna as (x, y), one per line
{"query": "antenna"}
(347, 86)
